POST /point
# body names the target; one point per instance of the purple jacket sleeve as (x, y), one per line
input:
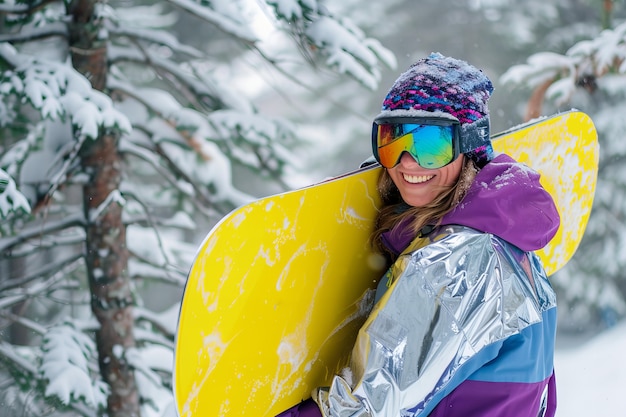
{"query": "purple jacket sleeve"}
(306, 408)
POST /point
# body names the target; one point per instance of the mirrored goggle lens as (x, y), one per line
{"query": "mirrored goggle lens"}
(430, 145)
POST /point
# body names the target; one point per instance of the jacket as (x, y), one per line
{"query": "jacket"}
(467, 325)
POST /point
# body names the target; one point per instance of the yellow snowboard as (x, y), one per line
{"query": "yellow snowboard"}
(281, 286)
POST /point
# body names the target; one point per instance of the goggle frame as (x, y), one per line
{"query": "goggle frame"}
(425, 121)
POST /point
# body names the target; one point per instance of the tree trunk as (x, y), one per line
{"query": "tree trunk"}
(535, 103)
(106, 251)
(107, 259)
(87, 46)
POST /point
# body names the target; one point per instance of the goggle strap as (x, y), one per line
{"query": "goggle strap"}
(474, 135)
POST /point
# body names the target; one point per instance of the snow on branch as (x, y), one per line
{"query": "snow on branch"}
(559, 75)
(348, 50)
(9, 352)
(187, 123)
(539, 68)
(166, 321)
(603, 54)
(21, 294)
(37, 33)
(171, 256)
(114, 196)
(257, 142)
(43, 272)
(345, 47)
(197, 159)
(73, 237)
(157, 37)
(22, 358)
(13, 157)
(153, 159)
(146, 334)
(11, 200)
(37, 231)
(139, 16)
(225, 15)
(549, 74)
(56, 90)
(185, 78)
(145, 270)
(65, 367)
(293, 10)
(178, 182)
(156, 396)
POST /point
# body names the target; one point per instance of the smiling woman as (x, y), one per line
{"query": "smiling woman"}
(465, 317)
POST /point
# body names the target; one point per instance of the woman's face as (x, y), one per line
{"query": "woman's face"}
(419, 186)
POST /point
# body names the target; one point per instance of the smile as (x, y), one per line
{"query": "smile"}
(416, 179)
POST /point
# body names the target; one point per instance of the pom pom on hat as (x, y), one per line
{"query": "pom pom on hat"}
(448, 85)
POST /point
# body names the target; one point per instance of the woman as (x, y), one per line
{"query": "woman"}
(465, 319)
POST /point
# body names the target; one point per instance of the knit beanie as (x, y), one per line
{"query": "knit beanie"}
(439, 84)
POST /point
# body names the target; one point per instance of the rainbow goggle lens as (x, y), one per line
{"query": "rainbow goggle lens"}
(432, 142)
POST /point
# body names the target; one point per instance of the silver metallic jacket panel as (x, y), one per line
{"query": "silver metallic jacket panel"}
(448, 300)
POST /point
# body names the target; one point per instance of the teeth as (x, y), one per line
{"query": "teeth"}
(416, 179)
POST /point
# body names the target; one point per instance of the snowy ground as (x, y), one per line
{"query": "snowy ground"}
(591, 378)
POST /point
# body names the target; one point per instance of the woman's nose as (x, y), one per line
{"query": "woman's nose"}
(407, 159)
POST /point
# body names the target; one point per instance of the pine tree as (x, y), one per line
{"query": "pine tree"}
(118, 142)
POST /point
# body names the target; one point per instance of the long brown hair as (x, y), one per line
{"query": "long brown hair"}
(394, 210)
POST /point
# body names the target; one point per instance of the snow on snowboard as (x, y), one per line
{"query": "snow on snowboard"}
(280, 287)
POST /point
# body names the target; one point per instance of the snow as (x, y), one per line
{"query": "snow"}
(346, 49)
(11, 200)
(114, 197)
(56, 89)
(65, 367)
(146, 361)
(227, 18)
(591, 377)
(290, 9)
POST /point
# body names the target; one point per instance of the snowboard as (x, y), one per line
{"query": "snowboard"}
(280, 287)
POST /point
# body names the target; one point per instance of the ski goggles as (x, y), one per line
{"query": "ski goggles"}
(432, 142)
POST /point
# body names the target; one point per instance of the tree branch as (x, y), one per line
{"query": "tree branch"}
(190, 88)
(292, 77)
(11, 357)
(54, 242)
(30, 292)
(48, 270)
(119, 87)
(29, 8)
(9, 243)
(535, 103)
(38, 33)
(29, 324)
(221, 22)
(166, 272)
(138, 35)
(200, 205)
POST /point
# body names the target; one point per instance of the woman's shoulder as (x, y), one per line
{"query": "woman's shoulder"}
(507, 199)
(462, 257)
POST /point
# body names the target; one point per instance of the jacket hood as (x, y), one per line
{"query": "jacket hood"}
(505, 199)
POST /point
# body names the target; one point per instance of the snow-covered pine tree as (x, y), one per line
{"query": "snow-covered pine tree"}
(118, 141)
(590, 74)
